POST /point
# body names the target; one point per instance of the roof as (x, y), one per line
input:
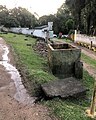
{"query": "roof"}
(41, 27)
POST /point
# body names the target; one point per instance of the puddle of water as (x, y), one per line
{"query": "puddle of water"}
(21, 94)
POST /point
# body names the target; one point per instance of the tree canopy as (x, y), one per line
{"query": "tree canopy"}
(59, 19)
(16, 17)
(73, 14)
(84, 13)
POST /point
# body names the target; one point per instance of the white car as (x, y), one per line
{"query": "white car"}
(54, 35)
(64, 36)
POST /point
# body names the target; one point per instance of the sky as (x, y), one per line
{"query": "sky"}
(41, 7)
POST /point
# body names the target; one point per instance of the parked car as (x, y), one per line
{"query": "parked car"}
(64, 36)
(54, 35)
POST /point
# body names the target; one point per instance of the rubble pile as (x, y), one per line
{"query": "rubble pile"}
(41, 48)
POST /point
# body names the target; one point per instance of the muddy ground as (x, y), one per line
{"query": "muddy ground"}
(11, 108)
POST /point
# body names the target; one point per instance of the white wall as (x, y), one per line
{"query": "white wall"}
(42, 34)
(37, 32)
(22, 30)
(85, 39)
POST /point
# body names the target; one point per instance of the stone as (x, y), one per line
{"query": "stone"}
(25, 39)
(79, 69)
(68, 87)
(29, 44)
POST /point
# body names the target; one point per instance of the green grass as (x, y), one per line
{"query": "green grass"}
(73, 109)
(67, 40)
(28, 60)
(88, 60)
(37, 68)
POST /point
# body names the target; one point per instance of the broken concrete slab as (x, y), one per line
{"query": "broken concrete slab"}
(64, 88)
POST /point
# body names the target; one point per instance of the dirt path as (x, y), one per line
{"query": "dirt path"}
(10, 107)
(91, 70)
(87, 52)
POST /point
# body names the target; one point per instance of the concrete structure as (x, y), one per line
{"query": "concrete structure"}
(41, 32)
(68, 87)
(44, 32)
(86, 40)
(3, 29)
(64, 60)
(25, 31)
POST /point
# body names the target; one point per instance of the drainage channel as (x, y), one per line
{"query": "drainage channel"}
(21, 94)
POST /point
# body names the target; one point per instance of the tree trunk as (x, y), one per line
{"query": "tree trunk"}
(79, 19)
(88, 24)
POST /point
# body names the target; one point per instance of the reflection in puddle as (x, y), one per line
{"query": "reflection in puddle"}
(21, 93)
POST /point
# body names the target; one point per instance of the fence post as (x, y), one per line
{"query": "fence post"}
(91, 45)
(91, 112)
(75, 35)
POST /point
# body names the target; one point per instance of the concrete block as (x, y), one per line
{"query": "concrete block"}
(68, 87)
(62, 58)
(78, 69)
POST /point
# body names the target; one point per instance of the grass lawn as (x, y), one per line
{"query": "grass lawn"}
(29, 61)
(37, 69)
(88, 60)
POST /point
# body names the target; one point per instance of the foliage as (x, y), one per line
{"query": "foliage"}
(69, 24)
(84, 13)
(59, 19)
(73, 14)
(20, 17)
(17, 17)
(3, 15)
(11, 22)
(81, 12)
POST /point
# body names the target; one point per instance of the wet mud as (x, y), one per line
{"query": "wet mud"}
(21, 93)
